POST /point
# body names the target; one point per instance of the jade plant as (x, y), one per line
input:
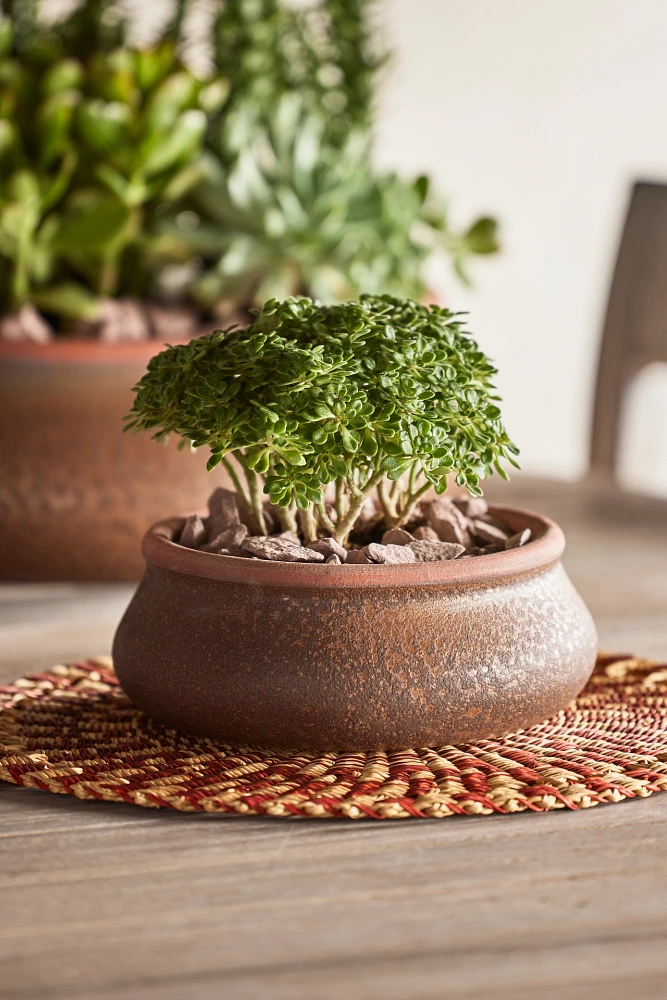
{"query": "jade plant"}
(125, 177)
(97, 139)
(317, 409)
(291, 202)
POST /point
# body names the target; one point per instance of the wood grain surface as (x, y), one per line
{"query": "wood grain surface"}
(109, 901)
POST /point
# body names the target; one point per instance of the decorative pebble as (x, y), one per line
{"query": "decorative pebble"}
(489, 533)
(279, 549)
(193, 533)
(447, 521)
(425, 534)
(458, 529)
(521, 538)
(223, 507)
(290, 536)
(329, 547)
(359, 556)
(427, 550)
(230, 540)
(397, 536)
(390, 553)
(472, 506)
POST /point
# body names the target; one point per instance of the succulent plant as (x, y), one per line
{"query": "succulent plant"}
(291, 203)
(381, 394)
(123, 176)
(96, 138)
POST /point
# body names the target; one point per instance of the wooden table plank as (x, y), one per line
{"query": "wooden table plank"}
(111, 901)
(302, 909)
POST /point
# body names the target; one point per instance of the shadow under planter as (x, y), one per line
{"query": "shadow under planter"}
(347, 657)
(76, 494)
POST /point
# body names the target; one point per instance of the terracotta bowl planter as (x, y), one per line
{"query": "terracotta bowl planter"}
(76, 494)
(336, 657)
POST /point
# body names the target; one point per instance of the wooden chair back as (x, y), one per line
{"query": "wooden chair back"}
(635, 329)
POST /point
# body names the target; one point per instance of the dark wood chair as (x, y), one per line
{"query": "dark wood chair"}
(635, 329)
(634, 335)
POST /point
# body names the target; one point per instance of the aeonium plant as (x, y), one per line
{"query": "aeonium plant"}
(319, 409)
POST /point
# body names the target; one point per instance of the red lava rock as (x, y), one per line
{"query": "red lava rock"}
(447, 521)
(279, 549)
(229, 540)
(425, 534)
(223, 506)
(390, 553)
(397, 536)
(489, 533)
(290, 536)
(428, 550)
(329, 547)
(521, 538)
(358, 556)
(193, 533)
(472, 506)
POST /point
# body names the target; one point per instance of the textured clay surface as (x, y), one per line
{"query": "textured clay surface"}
(384, 666)
(76, 494)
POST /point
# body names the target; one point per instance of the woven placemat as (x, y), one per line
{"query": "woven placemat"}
(72, 730)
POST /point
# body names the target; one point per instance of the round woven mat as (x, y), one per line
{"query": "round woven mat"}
(72, 730)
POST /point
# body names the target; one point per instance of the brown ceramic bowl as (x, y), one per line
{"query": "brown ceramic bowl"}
(348, 657)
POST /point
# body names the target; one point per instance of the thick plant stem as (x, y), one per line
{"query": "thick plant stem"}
(352, 487)
(238, 486)
(411, 502)
(325, 520)
(341, 497)
(386, 502)
(345, 525)
(411, 477)
(256, 499)
(308, 524)
(286, 517)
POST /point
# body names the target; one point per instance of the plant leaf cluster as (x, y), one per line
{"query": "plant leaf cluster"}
(291, 202)
(122, 173)
(356, 394)
(96, 138)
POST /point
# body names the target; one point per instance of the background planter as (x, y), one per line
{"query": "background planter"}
(334, 657)
(76, 494)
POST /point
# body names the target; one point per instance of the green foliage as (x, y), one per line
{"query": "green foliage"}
(291, 203)
(352, 394)
(117, 162)
(96, 138)
(266, 49)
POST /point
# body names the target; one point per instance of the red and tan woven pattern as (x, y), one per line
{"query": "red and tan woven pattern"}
(72, 730)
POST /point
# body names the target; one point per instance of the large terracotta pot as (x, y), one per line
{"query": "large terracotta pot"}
(335, 657)
(76, 494)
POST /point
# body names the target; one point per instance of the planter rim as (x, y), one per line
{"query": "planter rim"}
(68, 350)
(545, 548)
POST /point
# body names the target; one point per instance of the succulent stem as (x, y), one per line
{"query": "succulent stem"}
(345, 525)
(308, 524)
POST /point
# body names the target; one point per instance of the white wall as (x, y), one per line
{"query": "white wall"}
(542, 112)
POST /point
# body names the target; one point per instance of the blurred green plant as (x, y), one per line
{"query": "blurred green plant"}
(291, 203)
(96, 138)
(125, 175)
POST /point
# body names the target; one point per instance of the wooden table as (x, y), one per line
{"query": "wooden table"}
(103, 901)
